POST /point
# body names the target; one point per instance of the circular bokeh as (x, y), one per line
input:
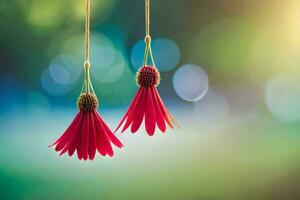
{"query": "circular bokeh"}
(283, 97)
(190, 82)
(213, 108)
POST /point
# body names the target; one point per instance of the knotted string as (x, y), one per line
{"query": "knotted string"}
(148, 49)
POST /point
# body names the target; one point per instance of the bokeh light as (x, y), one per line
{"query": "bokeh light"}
(109, 66)
(239, 141)
(102, 50)
(223, 46)
(166, 54)
(52, 87)
(213, 108)
(137, 54)
(190, 82)
(112, 72)
(100, 10)
(44, 14)
(283, 97)
(65, 69)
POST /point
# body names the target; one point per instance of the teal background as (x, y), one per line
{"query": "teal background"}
(241, 141)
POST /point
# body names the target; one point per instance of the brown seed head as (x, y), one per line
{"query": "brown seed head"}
(148, 76)
(87, 102)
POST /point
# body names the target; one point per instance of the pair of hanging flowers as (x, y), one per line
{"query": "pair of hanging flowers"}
(88, 133)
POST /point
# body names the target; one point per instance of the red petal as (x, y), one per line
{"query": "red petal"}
(77, 135)
(80, 138)
(173, 119)
(168, 116)
(92, 139)
(79, 153)
(134, 110)
(158, 113)
(150, 114)
(140, 112)
(73, 135)
(131, 107)
(83, 147)
(104, 137)
(62, 140)
(100, 140)
(163, 108)
(110, 135)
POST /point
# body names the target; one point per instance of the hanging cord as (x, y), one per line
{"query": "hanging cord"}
(87, 46)
(147, 17)
(148, 49)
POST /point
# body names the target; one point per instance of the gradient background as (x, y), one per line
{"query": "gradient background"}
(240, 136)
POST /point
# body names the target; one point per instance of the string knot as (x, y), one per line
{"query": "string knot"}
(148, 40)
(87, 64)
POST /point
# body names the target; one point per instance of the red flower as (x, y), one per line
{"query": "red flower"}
(147, 105)
(87, 133)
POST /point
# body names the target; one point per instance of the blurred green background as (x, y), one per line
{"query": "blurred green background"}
(230, 75)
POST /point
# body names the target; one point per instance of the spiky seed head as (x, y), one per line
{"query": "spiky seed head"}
(148, 76)
(87, 102)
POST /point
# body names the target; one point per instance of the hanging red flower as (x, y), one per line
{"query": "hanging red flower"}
(88, 132)
(147, 104)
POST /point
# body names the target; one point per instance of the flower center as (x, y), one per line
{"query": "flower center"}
(148, 76)
(87, 102)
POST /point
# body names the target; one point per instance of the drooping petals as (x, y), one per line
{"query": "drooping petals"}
(92, 141)
(87, 133)
(132, 114)
(167, 115)
(73, 135)
(110, 134)
(147, 105)
(163, 110)
(158, 113)
(139, 112)
(104, 141)
(132, 106)
(63, 139)
(150, 113)
(85, 137)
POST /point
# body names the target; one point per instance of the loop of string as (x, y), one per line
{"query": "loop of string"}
(148, 50)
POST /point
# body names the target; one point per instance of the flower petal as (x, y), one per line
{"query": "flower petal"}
(131, 108)
(163, 109)
(100, 140)
(104, 137)
(85, 136)
(173, 119)
(73, 135)
(139, 111)
(62, 140)
(134, 110)
(150, 114)
(75, 141)
(92, 139)
(80, 150)
(111, 136)
(158, 113)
